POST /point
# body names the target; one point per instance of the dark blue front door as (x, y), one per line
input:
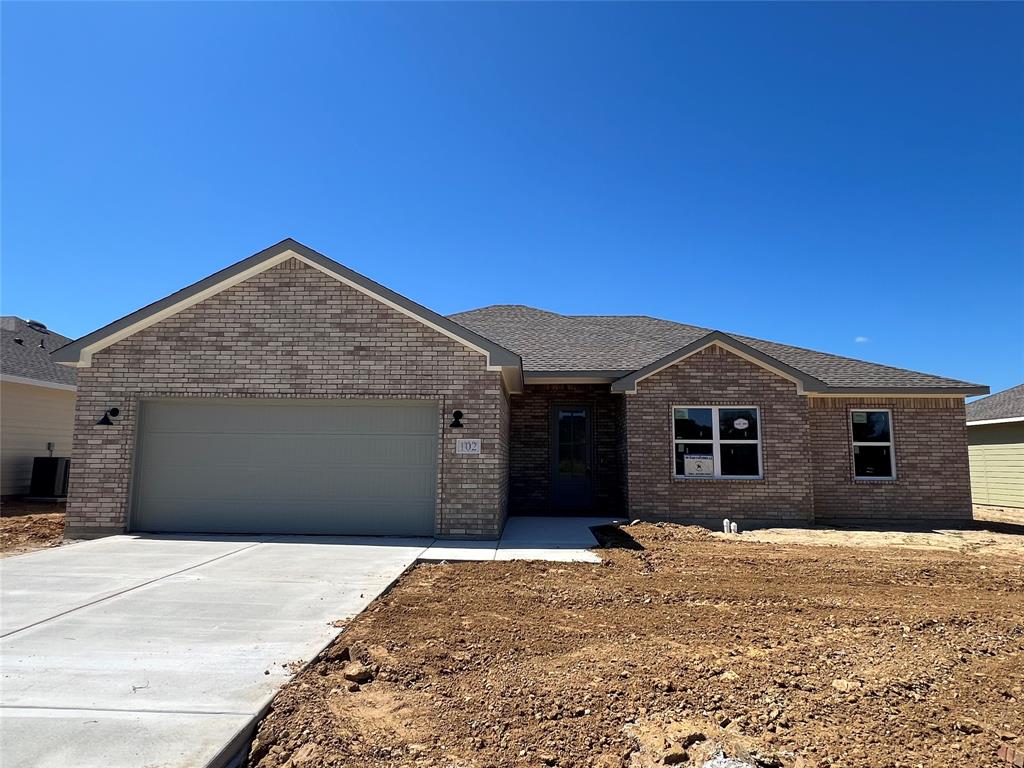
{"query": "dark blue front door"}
(571, 475)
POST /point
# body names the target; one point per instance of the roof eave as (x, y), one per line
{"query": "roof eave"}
(1003, 420)
(34, 382)
(572, 376)
(965, 390)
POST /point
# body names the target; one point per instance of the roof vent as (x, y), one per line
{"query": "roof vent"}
(19, 340)
(35, 325)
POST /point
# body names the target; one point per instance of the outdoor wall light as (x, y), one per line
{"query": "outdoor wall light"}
(113, 413)
(456, 420)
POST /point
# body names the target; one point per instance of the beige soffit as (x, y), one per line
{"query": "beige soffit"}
(1007, 420)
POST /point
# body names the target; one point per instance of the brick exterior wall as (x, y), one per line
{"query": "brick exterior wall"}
(530, 461)
(930, 446)
(715, 376)
(807, 453)
(292, 332)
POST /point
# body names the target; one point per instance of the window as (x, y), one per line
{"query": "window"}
(872, 445)
(717, 442)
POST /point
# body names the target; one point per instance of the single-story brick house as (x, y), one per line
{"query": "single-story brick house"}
(995, 439)
(289, 394)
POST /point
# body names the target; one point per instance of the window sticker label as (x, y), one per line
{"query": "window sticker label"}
(699, 465)
(860, 417)
(741, 424)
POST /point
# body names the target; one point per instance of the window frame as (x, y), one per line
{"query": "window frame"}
(891, 443)
(716, 443)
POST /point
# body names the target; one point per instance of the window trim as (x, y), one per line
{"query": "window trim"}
(891, 443)
(716, 443)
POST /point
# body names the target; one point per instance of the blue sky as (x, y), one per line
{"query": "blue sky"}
(812, 174)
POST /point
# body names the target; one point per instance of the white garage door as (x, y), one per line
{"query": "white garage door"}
(286, 466)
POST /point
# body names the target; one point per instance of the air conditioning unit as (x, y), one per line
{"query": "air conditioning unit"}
(50, 476)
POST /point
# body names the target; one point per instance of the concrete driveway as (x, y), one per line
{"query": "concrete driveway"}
(136, 651)
(133, 651)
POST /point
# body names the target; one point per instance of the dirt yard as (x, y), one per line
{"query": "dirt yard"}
(987, 513)
(680, 644)
(27, 526)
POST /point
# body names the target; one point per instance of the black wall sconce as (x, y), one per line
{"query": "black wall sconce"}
(456, 420)
(113, 413)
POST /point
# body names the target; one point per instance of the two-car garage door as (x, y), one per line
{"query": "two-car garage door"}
(286, 466)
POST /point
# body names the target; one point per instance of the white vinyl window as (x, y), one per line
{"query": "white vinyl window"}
(873, 457)
(717, 442)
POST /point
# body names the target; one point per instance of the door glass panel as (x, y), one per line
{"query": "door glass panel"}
(579, 465)
(572, 442)
(564, 427)
(564, 458)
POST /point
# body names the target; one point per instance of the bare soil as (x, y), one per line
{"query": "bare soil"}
(681, 644)
(26, 526)
(986, 512)
(995, 538)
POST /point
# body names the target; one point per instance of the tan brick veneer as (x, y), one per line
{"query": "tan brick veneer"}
(715, 376)
(292, 331)
(806, 452)
(932, 471)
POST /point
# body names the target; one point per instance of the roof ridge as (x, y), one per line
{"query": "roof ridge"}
(22, 325)
(506, 306)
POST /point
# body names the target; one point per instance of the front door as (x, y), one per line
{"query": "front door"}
(571, 475)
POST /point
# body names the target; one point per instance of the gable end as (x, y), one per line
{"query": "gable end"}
(79, 353)
(802, 381)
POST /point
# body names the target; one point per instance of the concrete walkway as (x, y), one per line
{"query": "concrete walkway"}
(136, 651)
(563, 539)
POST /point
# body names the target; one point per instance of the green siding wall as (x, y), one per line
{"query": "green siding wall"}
(997, 464)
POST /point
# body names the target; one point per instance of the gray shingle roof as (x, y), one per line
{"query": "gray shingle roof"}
(549, 342)
(1008, 404)
(28, 359)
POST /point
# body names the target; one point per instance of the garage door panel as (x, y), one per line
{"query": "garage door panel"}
(353, 485)
(220, 516)
(248, 417)
(268, 451)
(279, 466)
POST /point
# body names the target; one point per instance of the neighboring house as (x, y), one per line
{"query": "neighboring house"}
(289, 394)
(37, 400)
(995, 434)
